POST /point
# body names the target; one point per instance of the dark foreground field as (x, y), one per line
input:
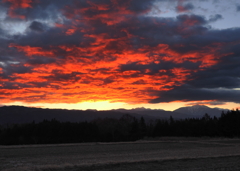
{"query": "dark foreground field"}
(163, 154)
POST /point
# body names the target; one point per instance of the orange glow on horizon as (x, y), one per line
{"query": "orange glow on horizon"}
(106, 105)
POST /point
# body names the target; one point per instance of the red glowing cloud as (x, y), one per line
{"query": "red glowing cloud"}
(15, 4)
(19, 3)
(30, 51)
(78, 78)
(106, 52)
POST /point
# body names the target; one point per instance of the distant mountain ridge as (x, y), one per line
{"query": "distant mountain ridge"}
(154, 113)
(200, 110)
(21, 114)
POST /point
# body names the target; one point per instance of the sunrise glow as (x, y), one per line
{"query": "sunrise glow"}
(119, 54)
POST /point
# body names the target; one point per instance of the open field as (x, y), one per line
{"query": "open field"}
(161, 154)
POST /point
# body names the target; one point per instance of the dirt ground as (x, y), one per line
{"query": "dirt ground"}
(200, 164)
(162, 154)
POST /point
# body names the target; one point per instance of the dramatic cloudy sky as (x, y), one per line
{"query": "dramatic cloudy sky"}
(107, 54)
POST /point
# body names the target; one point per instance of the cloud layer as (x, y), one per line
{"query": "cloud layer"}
(57, 51)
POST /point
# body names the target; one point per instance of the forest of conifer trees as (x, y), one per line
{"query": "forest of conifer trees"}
(127, 128)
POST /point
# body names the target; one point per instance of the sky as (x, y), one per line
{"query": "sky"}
(108, 54)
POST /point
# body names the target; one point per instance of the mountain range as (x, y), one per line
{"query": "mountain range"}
(21, 114)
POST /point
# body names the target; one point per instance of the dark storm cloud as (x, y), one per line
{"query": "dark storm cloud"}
(222, 36)
(140, 6)
(11, 61)
(184, 8)
(40, 61)
(166, 33)
(40, 84)
(52, 36)
(13, 85)
(137, 6)
(47, 13)
(44, 4)
(192, 19)
(215, 17)
(225, 74)
(215, 83)
(59, 76)
(189, 6)
(108, 80)
(205, 38)
(238, 8)
(174, 32)
(10, 68)
(171, 31)
(187, 93)
(44, 9)
(2, 32)
(163, 65)
(9, 55)
(216, 79)
(37, 26)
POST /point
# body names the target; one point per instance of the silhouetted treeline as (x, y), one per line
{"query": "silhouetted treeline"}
(127, 128)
